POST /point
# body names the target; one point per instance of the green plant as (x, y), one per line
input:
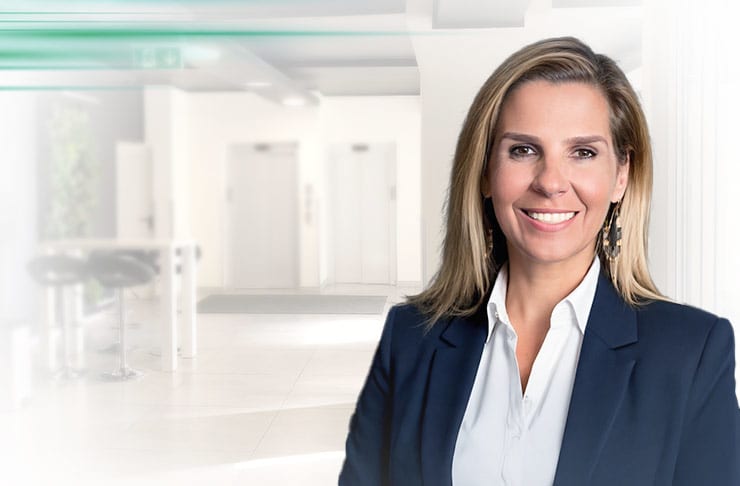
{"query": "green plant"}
(73, 174)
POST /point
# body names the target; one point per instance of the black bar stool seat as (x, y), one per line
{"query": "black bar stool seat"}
(58, 270)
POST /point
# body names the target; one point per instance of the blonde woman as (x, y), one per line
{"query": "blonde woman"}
(542, 353)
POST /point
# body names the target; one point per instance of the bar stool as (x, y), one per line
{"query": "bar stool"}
(119, 271)
(60, 272)
(148, 257)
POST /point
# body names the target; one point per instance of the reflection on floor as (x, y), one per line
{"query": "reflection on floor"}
(266, 402)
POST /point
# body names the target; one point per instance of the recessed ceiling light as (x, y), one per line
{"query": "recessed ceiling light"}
(294, 101)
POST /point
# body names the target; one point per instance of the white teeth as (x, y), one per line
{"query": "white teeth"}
(551, 218)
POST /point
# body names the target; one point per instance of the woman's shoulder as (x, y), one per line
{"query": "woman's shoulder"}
(668, 310)
(408, 323)
(408, 317)
(681, 321)
(406, 311)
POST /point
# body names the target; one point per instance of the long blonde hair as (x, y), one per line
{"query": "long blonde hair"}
(470, 260)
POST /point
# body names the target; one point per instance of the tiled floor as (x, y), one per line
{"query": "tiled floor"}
(266, 402)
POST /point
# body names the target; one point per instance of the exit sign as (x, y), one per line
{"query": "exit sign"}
(157, 57)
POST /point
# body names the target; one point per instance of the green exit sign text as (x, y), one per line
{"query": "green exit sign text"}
(157, 58)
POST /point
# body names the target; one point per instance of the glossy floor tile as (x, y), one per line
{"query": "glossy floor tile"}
(267, 401)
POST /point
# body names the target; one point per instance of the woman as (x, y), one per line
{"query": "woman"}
(542, 353)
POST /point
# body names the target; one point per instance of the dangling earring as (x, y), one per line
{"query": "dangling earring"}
(612, 233)
(489, 243)
(490, 216)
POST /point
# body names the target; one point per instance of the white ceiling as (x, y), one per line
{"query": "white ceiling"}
(290, 48)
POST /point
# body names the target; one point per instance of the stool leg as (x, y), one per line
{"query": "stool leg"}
(123, 372)
(51, 329)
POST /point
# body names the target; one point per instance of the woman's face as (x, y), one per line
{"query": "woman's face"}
(553, 172)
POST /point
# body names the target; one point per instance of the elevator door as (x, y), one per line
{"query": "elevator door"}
(363, 208)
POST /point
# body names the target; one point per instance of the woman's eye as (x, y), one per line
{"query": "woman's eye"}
(521, 151)
(585, 153)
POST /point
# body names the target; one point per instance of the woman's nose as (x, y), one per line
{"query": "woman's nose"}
(549, 178)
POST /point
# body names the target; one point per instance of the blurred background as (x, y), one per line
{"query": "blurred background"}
(207, 207)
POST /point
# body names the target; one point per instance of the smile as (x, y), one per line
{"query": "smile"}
(550, 218)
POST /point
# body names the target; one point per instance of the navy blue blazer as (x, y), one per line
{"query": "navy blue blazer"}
(653, 401)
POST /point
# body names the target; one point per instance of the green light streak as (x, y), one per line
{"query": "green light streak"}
(65, 67)
(88, 12)
(70, 88)
(40, 44)
(151, 34)
(139, 33)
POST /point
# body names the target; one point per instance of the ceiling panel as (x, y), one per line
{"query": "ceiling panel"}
(456, 14)
(230, 8)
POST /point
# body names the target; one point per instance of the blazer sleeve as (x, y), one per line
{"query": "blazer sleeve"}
(366, 460)
(709, 450)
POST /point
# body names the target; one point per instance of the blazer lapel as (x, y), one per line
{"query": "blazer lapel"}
(604, 369)
(454, 364)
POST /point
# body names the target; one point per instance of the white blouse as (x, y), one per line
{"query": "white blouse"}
(512, 438)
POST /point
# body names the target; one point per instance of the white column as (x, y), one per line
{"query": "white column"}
(168, 310)
(680, 91)
(189, 302)
(159, 135)
(167, 131)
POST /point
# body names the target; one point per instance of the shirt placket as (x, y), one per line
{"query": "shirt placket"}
(511, 471)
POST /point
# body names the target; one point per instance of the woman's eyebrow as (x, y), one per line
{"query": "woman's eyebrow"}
(587, 139)
(584, 139)
(520, 137)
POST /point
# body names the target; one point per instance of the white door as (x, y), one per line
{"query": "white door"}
(134, 191)
(263, 222)
(363, 207)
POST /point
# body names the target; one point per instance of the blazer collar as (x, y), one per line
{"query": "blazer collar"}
(611, 318)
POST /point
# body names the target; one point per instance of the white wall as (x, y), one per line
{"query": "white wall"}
(219, 120)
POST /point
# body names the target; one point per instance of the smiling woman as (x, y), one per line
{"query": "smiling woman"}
(542, 353)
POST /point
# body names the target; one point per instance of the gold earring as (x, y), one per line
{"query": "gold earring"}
(489, 242)
(612, 233)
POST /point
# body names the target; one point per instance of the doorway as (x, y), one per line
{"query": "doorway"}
(262, 222)
(134, 191)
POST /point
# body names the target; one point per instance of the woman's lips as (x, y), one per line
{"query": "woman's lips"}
(548, 220)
